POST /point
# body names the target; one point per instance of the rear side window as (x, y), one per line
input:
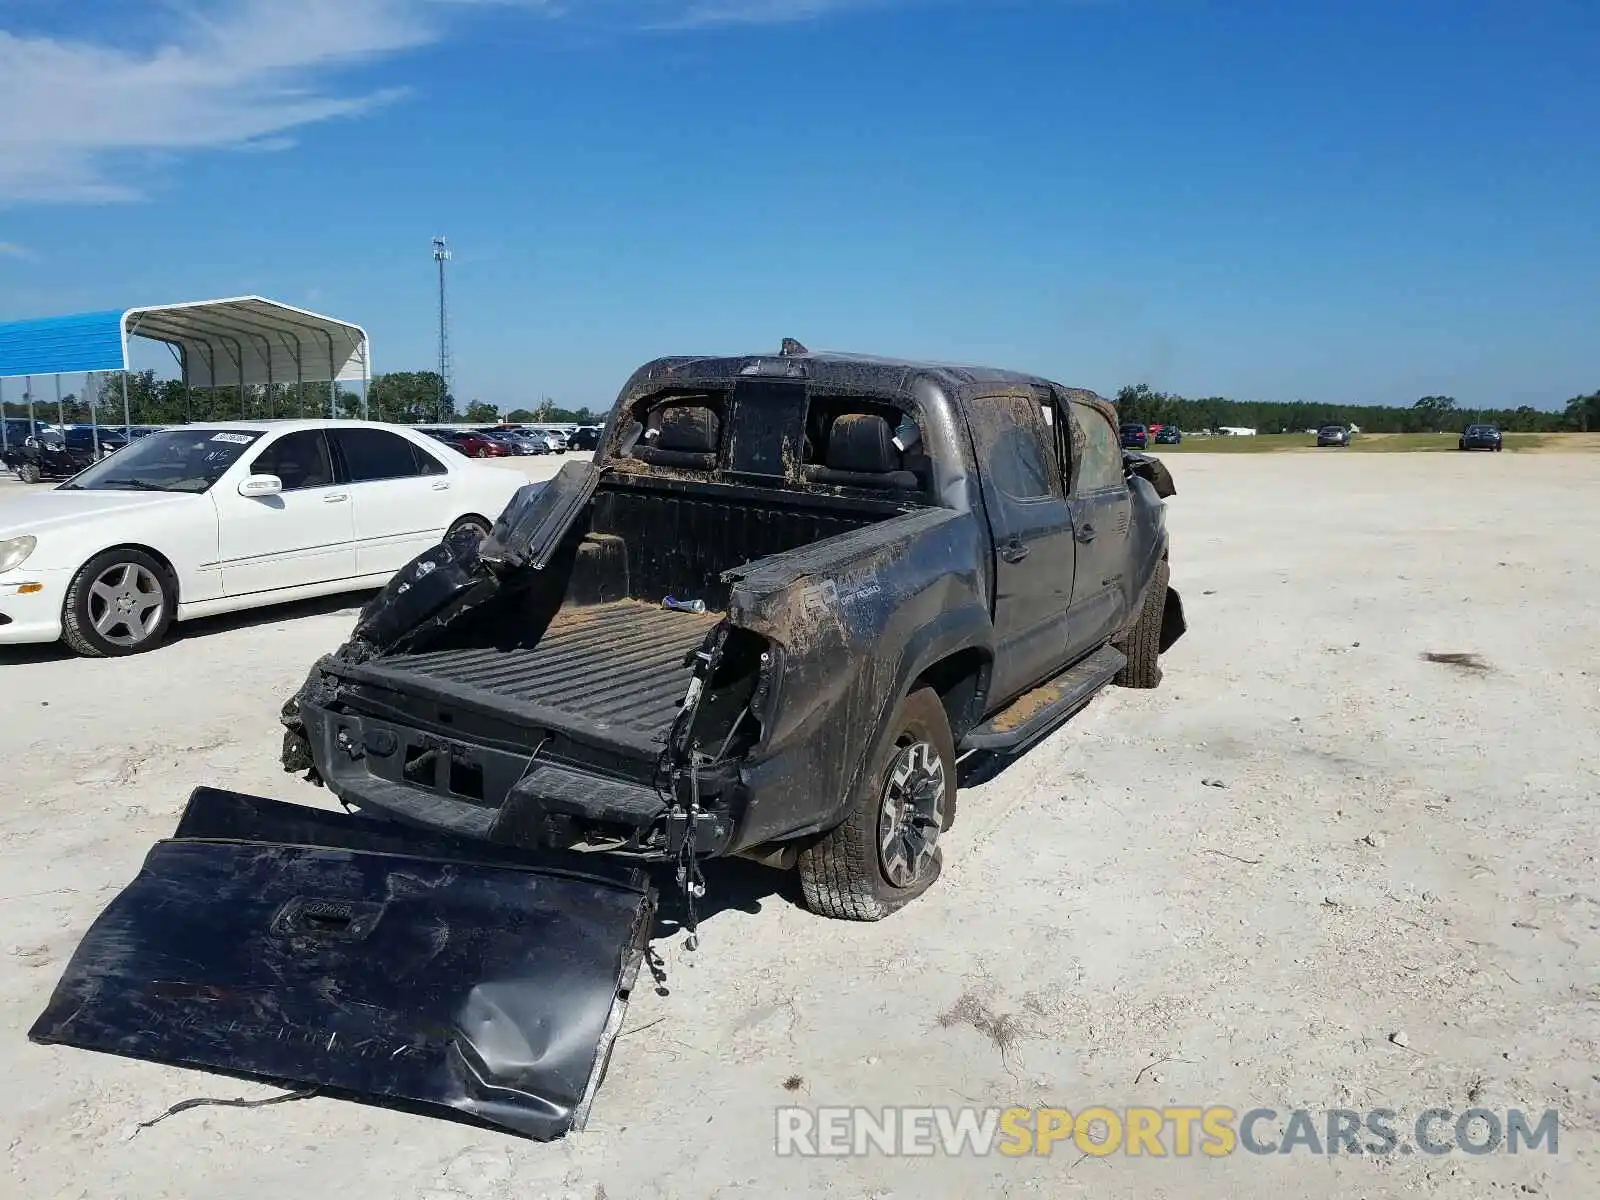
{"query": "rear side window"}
(1100, 465)
(1011, 439)
(372, 454)
(299, 459)
(427, 464)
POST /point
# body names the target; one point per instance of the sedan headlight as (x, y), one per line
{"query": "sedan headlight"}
(14, 551)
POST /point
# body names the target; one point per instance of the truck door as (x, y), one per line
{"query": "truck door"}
(1032, 530)
(1101, 512)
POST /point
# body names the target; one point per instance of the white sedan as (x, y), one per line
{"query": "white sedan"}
(207, 519)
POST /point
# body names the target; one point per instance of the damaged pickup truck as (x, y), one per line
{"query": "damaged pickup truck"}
(767, 619)
(789, 592)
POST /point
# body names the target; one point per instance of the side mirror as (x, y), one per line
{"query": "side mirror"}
(260, 485)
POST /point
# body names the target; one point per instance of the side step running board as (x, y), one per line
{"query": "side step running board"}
(1034, 714)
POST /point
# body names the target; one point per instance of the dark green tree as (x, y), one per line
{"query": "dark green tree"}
(408, 397)
(1583, 412)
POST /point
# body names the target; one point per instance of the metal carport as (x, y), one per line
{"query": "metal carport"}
(239, 341)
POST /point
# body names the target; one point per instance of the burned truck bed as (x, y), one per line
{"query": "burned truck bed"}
(536, 702)
(615, 672)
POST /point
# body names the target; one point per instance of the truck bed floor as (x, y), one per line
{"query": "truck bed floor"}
(616, 667)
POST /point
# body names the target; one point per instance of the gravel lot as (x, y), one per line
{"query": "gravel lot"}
(1401, 846)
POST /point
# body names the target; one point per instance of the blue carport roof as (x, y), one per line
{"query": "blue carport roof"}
(67, 345)
(237, 340)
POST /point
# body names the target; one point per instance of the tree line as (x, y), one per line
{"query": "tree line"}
(1430, 414)
(416, 397)
(403, 397)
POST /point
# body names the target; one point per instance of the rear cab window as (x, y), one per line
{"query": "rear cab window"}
(1016, 443)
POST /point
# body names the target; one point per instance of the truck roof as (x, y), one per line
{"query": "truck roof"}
(870, 373)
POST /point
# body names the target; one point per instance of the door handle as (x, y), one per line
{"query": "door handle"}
(442, 485)
(1086, 533)
(1013, 551)
(335, 498)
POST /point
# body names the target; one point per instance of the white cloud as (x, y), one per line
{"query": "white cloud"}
(80, 120)
(233, 74)
(12, 250)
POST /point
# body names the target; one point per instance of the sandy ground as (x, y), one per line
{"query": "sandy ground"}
(1400, 846)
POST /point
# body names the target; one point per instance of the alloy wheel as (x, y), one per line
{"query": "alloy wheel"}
(911, 814)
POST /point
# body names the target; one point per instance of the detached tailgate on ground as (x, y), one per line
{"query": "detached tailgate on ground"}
(369, 960)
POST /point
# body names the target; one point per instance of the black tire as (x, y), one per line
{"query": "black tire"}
(847, 874)
(481, 453)
(29, 473)
(1142, 644)
(117, 584)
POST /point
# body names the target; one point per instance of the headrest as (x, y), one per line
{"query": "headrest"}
(863, 443)
(685, 429)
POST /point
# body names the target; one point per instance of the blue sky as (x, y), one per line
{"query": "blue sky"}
(1353, 201)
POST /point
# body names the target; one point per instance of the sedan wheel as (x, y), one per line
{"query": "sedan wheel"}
(120, 603)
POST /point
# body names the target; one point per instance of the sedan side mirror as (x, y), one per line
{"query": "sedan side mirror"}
(260, 485)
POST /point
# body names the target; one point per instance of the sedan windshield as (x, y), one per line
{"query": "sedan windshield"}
(175, 460)
(1333, 429)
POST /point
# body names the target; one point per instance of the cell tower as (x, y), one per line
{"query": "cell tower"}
(441, 255)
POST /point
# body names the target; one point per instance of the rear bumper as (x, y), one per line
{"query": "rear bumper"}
(467, 788)
(31, 616)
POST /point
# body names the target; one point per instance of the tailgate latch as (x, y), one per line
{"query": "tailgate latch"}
(326, 920)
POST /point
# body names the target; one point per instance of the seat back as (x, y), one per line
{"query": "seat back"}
(681, 435)
(862, 453)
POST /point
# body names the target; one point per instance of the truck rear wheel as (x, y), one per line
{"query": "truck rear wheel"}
(886, 853)
(1143, 642)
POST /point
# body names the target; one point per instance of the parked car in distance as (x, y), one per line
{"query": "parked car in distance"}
(83, 437)
(207, 519)
(1479, 437)
(525, 442)
(1168, 435)
(1333, 435)
(512, 445)
(59, 453)
(585, 437)
(19, 429)
(1135, 436)
(554, 439)
(473, 445)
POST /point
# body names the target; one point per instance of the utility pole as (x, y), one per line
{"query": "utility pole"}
(441, 255)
